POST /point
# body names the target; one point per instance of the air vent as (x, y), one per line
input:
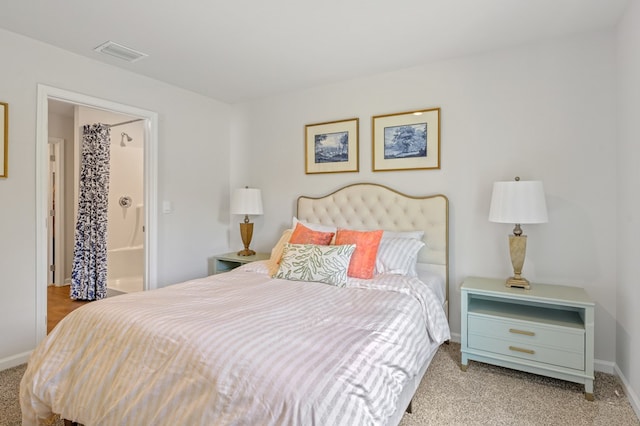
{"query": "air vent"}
(120, 51)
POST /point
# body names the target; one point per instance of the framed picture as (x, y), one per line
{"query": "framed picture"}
(407, 140)
(331, 147)
(4, 139)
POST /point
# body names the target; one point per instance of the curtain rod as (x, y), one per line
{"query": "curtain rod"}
(125, 122)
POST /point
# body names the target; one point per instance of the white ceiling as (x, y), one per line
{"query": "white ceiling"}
(238, 50)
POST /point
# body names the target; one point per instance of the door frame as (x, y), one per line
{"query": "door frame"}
(56, 245)
(46, 93)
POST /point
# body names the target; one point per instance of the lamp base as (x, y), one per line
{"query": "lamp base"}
(517, 250)
(517, 282)
(246, 232)
(246, 253)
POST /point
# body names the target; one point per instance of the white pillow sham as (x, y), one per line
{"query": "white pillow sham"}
(310, 262)
(398, 256)
(313, 226)
(416, 235)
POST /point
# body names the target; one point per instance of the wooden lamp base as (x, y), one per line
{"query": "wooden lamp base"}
(246, 232)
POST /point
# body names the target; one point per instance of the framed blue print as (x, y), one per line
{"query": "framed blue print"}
(407, 140)
(332, 147)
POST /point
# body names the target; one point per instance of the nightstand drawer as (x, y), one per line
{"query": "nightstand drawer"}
(526, 333)
(536, 353)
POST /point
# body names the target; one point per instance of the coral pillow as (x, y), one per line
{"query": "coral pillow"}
(303, 235)
(363, 261)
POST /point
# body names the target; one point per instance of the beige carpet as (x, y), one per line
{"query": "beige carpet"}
(488, 395)
(483, 395)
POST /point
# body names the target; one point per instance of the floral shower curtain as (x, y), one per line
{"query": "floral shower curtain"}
(89, 272)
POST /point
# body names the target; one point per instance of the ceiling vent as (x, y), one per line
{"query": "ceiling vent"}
(120, 51)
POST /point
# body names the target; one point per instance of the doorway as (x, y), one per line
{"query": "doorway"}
(149, 198)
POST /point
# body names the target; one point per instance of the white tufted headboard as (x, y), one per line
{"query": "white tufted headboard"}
(372, 206)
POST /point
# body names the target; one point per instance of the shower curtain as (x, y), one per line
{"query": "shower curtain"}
(89, 272)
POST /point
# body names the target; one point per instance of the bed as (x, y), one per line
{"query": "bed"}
(244, 347)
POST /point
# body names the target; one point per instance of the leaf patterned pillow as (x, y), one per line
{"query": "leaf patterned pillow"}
(311, 262)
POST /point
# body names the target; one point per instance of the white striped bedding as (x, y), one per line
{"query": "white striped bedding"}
(237, 349)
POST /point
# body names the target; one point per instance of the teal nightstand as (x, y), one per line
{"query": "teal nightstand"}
(228, 261)
(547, 330)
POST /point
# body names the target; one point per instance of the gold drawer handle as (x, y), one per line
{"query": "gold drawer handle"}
(517, 349)
(526, 333)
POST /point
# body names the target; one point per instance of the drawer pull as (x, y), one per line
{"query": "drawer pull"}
(517, 349)
(526, 333)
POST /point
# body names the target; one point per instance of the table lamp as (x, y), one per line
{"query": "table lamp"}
(246, 201)
(518, 202)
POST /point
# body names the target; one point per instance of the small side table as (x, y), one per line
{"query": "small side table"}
(228, 261)
(547, 330)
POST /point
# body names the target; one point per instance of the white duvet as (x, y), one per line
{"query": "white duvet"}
(237, 349)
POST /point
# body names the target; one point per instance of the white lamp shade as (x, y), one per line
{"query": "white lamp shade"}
(246, 201)
(518, 202)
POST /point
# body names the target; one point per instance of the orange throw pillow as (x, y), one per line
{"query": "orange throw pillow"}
(303, 235)
(363, 261)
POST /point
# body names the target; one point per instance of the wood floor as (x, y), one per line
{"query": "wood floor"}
(59, 305)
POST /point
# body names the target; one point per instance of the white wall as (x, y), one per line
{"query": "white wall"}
(543, 111)
(628, 184)
(193, 173)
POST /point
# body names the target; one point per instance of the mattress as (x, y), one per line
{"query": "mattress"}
(237, 348)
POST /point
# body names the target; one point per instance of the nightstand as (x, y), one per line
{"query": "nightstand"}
(547, 330)
(228, 261)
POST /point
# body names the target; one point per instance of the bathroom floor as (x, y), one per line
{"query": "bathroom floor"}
(59, 305)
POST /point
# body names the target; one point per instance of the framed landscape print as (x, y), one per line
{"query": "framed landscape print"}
(406, 141)
(4, 136)
(331, 147)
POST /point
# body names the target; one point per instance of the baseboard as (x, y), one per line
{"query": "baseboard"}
(14, 360)
(631, 395)
(604, 366)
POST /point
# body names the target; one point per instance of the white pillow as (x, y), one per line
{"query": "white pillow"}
(313, 226)
(311, 262)
(398, 256)
(416, 235)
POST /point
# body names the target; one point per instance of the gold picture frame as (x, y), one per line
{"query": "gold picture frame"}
(406, 140)
(4, 139)
(332, 147)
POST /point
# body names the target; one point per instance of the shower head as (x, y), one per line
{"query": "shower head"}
(129, 138)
